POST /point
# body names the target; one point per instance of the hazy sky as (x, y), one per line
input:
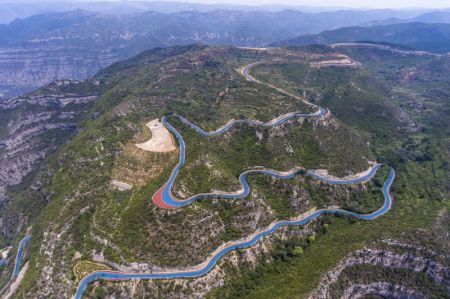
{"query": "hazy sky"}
(333, 3)
(329, 3)
(342, 3)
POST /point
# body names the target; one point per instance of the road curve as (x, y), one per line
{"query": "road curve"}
(387, 48)
(206, 266)
(245, 71)
(17, 262)
(164, 199)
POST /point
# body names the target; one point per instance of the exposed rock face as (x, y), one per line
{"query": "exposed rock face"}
(30, 127)
(23, 69)
(437, 272)
(384, 289)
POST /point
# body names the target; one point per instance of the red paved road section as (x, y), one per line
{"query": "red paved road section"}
(158, 201)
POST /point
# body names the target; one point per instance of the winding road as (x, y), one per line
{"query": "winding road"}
(212, 260)
(163, 197)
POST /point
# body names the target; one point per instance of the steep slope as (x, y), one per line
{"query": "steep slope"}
(89, 225)
(349, 260)
(31, 128)
(419, 36)
(85, 218)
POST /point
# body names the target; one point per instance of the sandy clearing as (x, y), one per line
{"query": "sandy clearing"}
(253, 48)
(5, 251)
(324, 173)
(337, 62)
(121, 185)
(161, 140)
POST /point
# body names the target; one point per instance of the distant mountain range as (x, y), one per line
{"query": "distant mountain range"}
(419, 36)
(76, 44)
(442, 16)
(10, 10)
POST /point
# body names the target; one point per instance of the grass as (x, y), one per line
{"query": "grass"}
(209, 92)
(299, 143)
(83, 268)
(419, 190)
(298, 275)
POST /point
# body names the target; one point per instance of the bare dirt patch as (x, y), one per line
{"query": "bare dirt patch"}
(337, 60)
(161, 140)
(135, 167)
(324, 173)
(121, 186)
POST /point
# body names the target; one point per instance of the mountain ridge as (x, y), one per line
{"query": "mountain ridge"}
(418, 35)
(76, 44)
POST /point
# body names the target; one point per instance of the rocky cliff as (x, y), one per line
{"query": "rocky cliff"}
(31, 127)
(410, 267)
(25, 68)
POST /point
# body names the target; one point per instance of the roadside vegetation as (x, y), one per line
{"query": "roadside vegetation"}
(414, 141)
(201, 83)
(83, 268)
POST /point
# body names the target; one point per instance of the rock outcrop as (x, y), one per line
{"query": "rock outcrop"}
(437, 272)
(30, 128)
(384, 289)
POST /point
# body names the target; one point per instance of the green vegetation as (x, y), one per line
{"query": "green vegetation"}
(82, 268)
(419, 156)
(297, 275)
(84, 214)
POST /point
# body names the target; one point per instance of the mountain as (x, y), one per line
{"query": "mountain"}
(442, 16)
(380, 106)
(76, 44)
(31, 128)
(420, 36)
(433, 17)
(10, 10)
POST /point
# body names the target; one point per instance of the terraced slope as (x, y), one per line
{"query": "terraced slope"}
(415, 140)
(164, 199)
(87, 222)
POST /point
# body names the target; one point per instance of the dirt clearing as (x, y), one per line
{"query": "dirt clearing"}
(161, 140)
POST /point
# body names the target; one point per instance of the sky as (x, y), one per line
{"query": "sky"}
(339, 3)
(315, 3)
(342, 3)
